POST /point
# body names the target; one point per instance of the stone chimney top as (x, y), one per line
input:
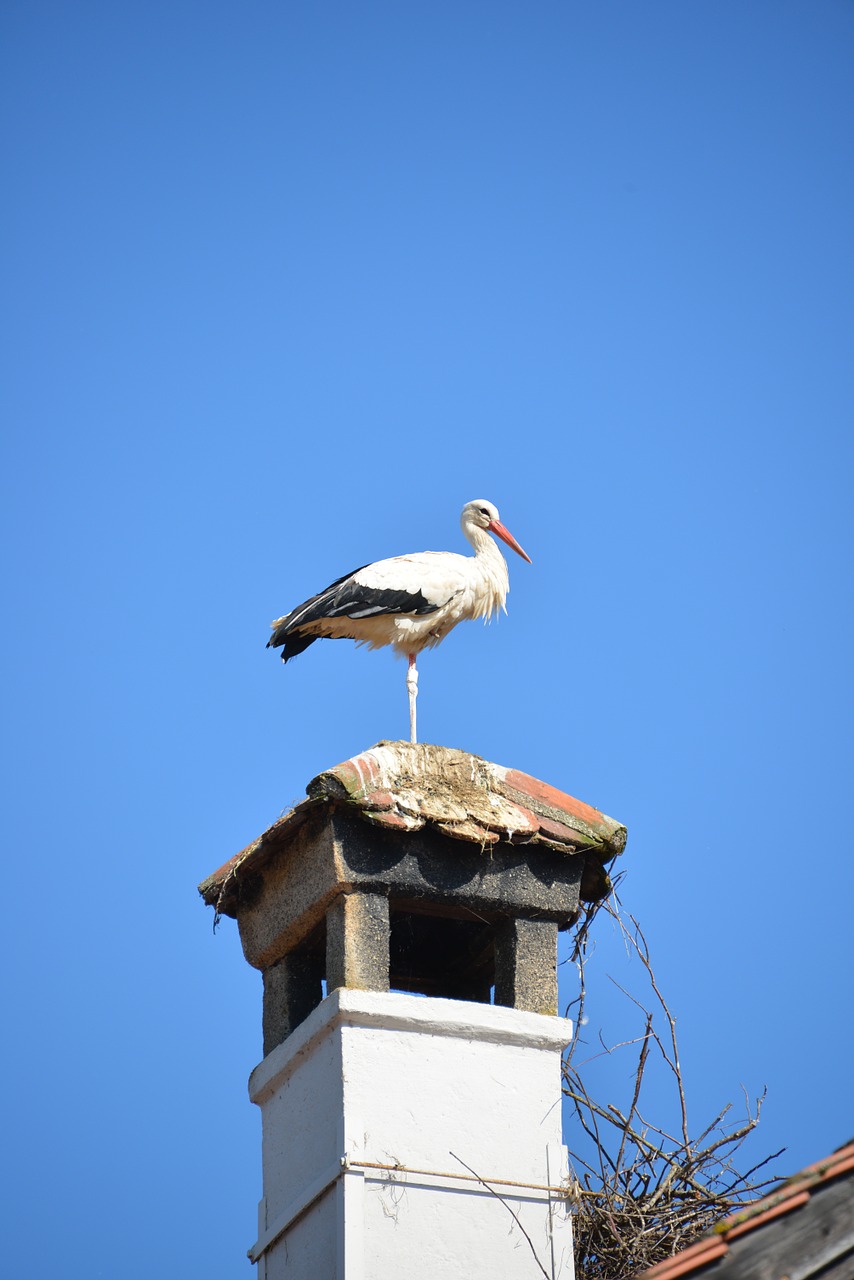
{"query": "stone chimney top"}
(402, 787)
(415, 868)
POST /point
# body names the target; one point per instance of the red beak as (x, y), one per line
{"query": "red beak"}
(505, 535)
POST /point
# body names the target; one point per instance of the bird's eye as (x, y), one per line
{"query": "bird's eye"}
(483, 511)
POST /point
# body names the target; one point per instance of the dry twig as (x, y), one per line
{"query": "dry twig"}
(650, 1194)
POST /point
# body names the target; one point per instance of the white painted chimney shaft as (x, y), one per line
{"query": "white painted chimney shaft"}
(413, 1137)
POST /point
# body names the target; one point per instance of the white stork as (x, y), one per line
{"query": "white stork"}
(410, 602)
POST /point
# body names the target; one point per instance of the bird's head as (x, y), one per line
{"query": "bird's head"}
(481, 514)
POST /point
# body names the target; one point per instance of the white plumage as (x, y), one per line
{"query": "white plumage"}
(409, 602)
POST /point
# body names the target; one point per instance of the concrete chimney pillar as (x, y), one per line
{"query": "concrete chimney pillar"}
(411, 1114)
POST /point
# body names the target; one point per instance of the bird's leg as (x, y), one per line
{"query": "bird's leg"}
(412, 686)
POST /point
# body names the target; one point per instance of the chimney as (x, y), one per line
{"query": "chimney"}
(405, 918)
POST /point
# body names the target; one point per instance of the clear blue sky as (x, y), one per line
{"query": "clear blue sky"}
(285, 285)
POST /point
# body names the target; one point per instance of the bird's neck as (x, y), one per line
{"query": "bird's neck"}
(482, 541)
(492, 569)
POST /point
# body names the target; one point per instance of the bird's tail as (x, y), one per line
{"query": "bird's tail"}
(291, 643)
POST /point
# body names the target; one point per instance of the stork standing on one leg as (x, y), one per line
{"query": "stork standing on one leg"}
(410, 602)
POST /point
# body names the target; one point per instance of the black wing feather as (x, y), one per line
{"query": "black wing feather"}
(343, 598)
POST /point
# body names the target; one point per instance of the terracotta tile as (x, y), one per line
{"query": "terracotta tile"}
(555, 799)
(558, 831)
(759, 1219)
(471, 831)
(395, 821)
(690, 1259)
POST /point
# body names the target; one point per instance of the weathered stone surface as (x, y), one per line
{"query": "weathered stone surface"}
(416, 868)
(357, 942)
(293, 986)
(290, 893)
(526, 965)
(409, 787)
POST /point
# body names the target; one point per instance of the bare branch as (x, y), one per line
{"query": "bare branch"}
(647, 1193)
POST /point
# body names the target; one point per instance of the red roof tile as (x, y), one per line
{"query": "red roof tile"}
(681, 1264)
(792, 1195)
(406, 787)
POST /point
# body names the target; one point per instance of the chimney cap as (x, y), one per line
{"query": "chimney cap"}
(405, 787)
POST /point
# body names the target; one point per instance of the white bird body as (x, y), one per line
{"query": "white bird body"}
(460, 587)
(409, 602)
